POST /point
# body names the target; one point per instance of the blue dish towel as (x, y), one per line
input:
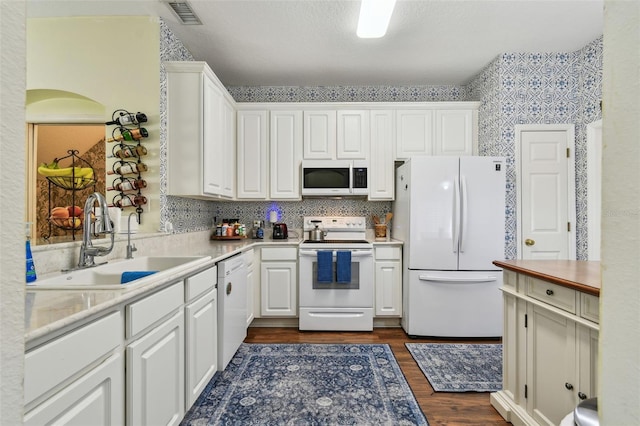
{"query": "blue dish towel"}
(325, 266)
(134, 275)
(343, 266)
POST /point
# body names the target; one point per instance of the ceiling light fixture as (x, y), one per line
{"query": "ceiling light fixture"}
(374, 18)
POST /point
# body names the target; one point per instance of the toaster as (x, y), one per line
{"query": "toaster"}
(280, 231)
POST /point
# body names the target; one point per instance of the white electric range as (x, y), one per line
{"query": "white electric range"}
(336, 289)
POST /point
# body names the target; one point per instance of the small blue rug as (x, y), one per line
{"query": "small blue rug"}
(308, 384)
(460, 367)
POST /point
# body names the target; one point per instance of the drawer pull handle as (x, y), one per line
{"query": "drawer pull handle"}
(582, 395)
(569, 386)
(529, 242)
(549, 292)
(229, 287)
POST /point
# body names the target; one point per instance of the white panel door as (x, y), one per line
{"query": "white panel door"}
(454, 132)
(278, 289)
(546, 199)
(213, 143)
(433, 209)
(414, 133)
(381, 163)
(482, 198)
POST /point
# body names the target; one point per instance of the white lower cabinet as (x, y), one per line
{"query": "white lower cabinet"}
(550, 352)
(279, 281)
(252, 285)
(388, 281)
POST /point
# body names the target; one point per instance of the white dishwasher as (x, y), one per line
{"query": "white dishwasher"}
(232, 307)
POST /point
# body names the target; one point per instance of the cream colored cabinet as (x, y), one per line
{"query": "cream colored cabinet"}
(155, 364)
(77, 378)
(199, 137)
(381, 163)
(252, 146)
(455, 132)
(388, 281)
(201, 332)
(550, 351)
(285, 154)
(279, 281)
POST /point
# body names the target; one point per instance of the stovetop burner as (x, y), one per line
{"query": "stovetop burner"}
(336, 242)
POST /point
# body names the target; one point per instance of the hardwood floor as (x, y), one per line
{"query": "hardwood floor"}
(441, 408)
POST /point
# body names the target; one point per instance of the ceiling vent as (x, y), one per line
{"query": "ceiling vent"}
(183, 11)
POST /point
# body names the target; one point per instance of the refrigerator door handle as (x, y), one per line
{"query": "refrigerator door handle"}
(479, 279)
(463, 201)
(455, 220)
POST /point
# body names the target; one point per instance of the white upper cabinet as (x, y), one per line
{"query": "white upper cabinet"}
(252, 145)
(414, 133)
(336, 134)
(319, 135)
(454, 132)
(381, 164)
(353, 134)
(200, 154)
(285, 154)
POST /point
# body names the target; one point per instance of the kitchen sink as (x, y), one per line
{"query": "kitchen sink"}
(109, 275)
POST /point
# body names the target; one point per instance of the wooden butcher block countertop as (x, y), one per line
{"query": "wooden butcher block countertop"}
(580, 275)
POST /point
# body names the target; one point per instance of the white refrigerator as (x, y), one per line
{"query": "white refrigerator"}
(450, 214)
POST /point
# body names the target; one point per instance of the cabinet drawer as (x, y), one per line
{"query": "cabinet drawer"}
(200, 282)
(53, 363)
(142, 314)
(590, 307)
(279, 253)
(388, 253)
(510, 279)
(553, 294)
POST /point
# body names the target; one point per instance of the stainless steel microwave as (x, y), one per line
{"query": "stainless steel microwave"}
(334, 178)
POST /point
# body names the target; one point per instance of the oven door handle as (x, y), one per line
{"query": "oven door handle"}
(359, 253)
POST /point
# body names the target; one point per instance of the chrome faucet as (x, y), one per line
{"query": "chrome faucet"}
(130, 247)
(103, 226)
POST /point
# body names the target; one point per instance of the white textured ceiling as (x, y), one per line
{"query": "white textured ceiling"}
(313, 42)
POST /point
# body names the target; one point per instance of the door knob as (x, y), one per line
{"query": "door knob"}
(529, 242)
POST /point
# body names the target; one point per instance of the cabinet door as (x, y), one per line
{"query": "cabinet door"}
(213, 140)
(414, 133)
(587, 386)
(286, 154)
(228, 153)
(155, 375)
(201, 344)
(252, 154)
(278, 285)
(251, 276)
(454, 132)
(381, 164)
(352, 139)
(388, 281)
(96, 398)
(319, 140)
(551, 365)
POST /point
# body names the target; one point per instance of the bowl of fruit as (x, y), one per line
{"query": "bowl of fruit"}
(70, 217)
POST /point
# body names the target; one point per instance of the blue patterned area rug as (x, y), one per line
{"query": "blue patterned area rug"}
(308, 384)
(460, 367)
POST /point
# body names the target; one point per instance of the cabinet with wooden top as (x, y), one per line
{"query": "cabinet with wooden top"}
(550, 340)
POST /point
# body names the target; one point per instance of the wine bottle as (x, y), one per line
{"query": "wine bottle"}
(130, 135)
(128, 185)
(128, 168)
(127, 119)
(128, 201)
(127, 151)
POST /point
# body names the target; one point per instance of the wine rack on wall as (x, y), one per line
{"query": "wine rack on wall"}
(127, 170)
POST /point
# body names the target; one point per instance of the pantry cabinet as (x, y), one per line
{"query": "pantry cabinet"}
(388, 281)
(252, 148)
(200, 133)
(550, 346)
(279, 281)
